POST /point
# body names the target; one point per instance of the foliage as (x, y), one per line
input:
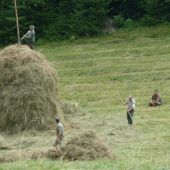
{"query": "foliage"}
(156, 12)
(71, 19)
(118, 21)
(77, 18)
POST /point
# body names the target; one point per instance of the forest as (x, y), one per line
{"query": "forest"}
(64, 19)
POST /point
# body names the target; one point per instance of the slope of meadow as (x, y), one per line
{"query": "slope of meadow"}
(94, 72)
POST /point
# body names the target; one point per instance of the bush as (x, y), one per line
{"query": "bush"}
(149, 21)
(118, 21)
(129, 23)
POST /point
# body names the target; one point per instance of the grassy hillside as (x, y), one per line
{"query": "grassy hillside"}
(92, 72)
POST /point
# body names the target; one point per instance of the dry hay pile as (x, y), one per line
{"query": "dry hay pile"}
(2, 142)
(71, 107)
(28, 86)
(86, 146)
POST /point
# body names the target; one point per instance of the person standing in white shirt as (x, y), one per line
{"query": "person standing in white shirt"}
(130, 109)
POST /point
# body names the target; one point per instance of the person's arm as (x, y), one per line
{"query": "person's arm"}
(125, 103)
(25, 34)
(59, 134)
(130, 109)
(152, 101)
(29, 36)
(157, 100)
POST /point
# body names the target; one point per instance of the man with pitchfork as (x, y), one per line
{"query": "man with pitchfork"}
(130, 109)
(30, 37)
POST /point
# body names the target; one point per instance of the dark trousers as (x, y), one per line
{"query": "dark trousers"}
(31, 44)
(130, 121)
(156, 104)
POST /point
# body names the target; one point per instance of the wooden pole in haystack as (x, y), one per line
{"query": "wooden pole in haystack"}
(16, 12)
(128, 112)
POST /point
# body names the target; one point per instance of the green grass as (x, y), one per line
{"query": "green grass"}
(92, 72)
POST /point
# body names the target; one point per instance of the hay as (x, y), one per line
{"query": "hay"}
(71, 107)
(28, 90)
(86, 146)
(2, 142)
(35, 154)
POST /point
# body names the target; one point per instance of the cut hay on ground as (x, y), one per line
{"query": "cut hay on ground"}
(71, 107)
(28, 89)
(85, 146)
(35, 154)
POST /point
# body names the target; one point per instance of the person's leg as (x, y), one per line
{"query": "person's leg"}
(60, 142)
(55, 144)
(150, 104)
(131, 116)
(157, 104)
(128, 118)
(32, 45)
(56, 147)
(29, 44)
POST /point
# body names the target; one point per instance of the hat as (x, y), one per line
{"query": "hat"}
(57, 119)
(32, 26)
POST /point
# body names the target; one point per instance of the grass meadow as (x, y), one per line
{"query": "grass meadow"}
(93, 72)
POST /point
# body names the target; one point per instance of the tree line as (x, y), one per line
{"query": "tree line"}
(63, 19)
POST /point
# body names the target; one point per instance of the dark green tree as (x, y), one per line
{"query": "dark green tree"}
(78, 18)
(157, 12)
(62, 19)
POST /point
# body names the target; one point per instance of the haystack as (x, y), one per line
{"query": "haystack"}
(86, 146)
(2, 142)
(28, 86)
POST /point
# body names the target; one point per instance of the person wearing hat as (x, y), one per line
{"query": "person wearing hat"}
(60, 134)
(31, 37)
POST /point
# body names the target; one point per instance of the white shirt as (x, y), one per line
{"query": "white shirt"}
(130, 104)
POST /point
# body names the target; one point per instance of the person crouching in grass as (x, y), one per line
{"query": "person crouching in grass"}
(156, 99)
